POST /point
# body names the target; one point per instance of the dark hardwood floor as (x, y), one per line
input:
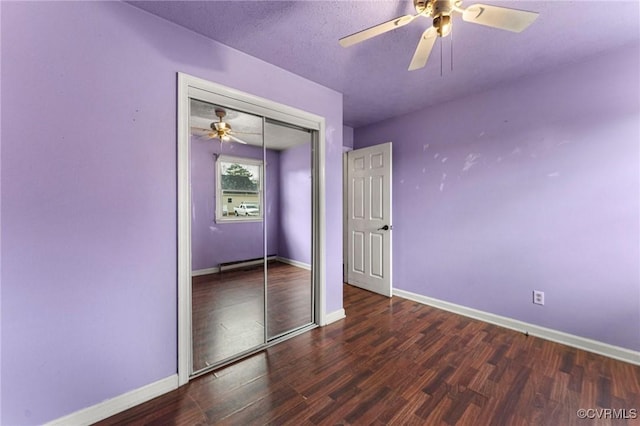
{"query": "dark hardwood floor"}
(289, 303)
(227, 309)
(394, 361)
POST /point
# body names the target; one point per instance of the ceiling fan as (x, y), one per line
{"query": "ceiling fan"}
(222, 130)
(441, 12)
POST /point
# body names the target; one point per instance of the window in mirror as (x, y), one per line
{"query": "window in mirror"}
(239, 189)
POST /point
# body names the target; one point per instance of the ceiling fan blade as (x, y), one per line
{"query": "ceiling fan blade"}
(368, 33)
(499, 17)
(423, 50)
(200, 132)
(235, 132)
(236, 139)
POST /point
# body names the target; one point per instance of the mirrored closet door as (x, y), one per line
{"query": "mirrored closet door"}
(289, 280)
(251, 232)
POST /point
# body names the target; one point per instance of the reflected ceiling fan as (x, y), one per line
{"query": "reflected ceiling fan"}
(441, 12)
(222, 130)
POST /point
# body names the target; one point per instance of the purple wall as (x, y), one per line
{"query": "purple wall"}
(295, 204)
(534, 185)
(347, 137)
(214, 243)
(88, 189)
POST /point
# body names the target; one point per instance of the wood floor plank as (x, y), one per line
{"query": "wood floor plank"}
(394, 361)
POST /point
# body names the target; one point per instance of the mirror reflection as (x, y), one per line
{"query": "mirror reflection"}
(251, 231)
(226, 257)
(289, 285)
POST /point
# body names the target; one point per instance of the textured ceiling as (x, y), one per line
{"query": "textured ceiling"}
(302, 37)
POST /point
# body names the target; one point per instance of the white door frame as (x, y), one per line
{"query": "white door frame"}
(193, 87)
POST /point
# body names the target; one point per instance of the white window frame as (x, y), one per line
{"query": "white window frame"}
(219, 195)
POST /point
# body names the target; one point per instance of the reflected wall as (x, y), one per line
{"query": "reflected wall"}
(214, 243)
(289, 283)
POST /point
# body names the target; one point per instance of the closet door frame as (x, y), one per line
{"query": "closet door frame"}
(193, 87)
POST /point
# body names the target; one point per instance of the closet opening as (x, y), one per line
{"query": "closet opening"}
(249, 224)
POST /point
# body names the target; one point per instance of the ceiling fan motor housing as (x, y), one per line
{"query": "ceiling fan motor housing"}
(434, 8)
(221, 127)
(425, 6)
(441, 11)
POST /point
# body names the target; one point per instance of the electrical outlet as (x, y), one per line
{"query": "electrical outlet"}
(538, 297)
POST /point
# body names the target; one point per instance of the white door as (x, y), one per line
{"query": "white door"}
(369, 218)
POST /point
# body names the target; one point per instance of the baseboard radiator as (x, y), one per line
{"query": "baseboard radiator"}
(237, 264)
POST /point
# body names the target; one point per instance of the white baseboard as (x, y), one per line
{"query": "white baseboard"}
(294, 263)
(118, 404)
(333, 317)
(611, 351)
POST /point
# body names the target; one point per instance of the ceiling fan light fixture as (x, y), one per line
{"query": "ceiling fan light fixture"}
(442, 23)
(220, 126)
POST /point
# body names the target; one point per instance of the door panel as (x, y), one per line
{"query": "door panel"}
(377, 161)
(358, 252)
(377, 198)
(377, 251)
(358, 198)
(369, 210)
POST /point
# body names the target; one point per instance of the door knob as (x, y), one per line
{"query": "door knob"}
(385, 228)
